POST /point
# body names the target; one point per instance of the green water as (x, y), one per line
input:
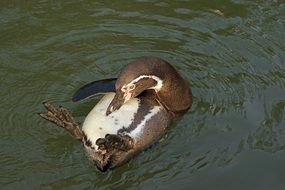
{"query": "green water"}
(232, 52)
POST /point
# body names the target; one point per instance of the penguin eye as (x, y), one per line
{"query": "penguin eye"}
(132, 87)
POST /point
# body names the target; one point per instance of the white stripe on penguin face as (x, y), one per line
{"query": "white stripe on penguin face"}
(157, 87)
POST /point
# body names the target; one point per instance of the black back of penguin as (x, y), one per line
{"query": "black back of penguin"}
(175, 93)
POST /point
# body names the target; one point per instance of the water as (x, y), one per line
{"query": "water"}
(232, 53)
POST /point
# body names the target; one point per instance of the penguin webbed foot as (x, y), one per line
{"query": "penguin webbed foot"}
(111, 142)
(62, 118)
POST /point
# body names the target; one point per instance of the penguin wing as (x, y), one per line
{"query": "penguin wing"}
(94, 88)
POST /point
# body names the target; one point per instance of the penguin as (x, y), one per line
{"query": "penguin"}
(136, 109)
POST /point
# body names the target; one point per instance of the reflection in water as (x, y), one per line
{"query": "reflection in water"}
(232, 53)
(268, 136)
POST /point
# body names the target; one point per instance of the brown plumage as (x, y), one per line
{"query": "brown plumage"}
(160, 94)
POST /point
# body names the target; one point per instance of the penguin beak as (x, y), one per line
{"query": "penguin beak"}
(119, 99)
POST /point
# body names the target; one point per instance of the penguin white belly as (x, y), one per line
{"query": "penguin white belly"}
(97, 124)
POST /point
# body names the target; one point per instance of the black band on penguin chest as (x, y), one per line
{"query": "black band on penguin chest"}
(145, 107)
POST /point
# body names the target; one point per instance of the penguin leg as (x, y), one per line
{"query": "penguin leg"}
(118, 142)
(62, 118)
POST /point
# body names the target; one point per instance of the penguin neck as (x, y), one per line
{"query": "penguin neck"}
(175, 94)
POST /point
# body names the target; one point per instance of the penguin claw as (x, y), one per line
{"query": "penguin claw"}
(62, 118)
(112, 142)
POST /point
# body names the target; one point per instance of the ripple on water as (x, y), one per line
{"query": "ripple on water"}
(231, 54)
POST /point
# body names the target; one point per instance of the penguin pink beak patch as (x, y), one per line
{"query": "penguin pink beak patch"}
(127, 96)
(121, 97)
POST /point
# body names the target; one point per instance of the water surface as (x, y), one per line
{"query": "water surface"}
(232, 53)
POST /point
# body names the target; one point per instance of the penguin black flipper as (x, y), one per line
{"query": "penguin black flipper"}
(94, 88)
